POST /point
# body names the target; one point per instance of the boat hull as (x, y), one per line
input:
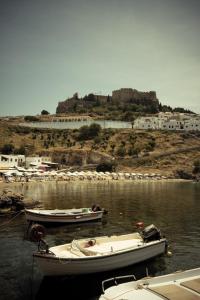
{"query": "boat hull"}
(65, 218)
(54, 266)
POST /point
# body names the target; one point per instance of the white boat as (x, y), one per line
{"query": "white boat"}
(101, 254)
(182, 285)
(63, 215)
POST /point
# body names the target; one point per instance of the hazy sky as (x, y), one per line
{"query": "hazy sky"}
(50, 49)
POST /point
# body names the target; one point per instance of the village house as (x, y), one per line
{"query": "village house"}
(169, 121)
(13, 161)
(10, 161)
(41, 162)
(34, 161)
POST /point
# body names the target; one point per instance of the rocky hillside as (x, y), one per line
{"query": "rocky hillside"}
(122, 100)
(136, 150)
(124, 104)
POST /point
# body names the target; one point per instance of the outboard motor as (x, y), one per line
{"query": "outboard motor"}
(151, 233)
(96, 207)
(36, 232)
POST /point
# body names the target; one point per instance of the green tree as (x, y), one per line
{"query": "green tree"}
(7, 149)
(94, 130)
(31, 119)
(44, 112)
(21, 150)
(91, 97)
(89, 132)
(84, 133)
(196, 168)
(132, 152)
(106, 167)
(121, 151)
(112, 146)
(63, 159)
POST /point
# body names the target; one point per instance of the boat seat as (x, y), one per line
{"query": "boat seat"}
(174, 292)
(77, 253)
(114, 246)
(192, 284)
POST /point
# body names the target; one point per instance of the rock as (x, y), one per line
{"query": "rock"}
(30, 203)
(5, 211)
(14, 202)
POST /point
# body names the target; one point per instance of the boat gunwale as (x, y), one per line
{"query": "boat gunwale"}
(31, 212)
(176, 277)
(99, 257)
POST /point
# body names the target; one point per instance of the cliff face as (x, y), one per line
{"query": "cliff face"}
(123, 95)
(80, 157)
(66, 106)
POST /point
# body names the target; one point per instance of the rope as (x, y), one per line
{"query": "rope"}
(9, 221)
(32, 278)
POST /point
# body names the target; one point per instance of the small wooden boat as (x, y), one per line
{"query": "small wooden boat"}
(101, 254)
(184, 285)
(64, 215)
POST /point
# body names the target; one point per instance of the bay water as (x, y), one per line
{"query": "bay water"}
(174, 207)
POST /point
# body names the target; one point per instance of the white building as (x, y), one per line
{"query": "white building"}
(9, 161)
(36, 160)
(169, 121)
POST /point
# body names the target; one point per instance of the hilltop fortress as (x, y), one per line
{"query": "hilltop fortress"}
(121, 96)
(132, 95)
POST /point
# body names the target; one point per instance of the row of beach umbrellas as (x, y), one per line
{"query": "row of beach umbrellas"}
(81, 175)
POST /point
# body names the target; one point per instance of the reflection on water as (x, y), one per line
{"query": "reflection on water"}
(173, 207)
(89, 286)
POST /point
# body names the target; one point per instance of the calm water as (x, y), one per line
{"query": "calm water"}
(78, 124)
(173, 207)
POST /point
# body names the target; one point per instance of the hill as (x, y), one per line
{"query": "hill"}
(124, 104)
(166, 152)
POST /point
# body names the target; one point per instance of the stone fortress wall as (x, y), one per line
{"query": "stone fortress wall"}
(126, 94)
(121, 95)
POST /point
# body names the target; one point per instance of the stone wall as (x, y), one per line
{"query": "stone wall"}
(127, 94)
(101, 98)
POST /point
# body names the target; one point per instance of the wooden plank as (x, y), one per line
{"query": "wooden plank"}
(192, 284)
(174, 292)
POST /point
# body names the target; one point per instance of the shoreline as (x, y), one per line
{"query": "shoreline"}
(22, 184)
(18, 188)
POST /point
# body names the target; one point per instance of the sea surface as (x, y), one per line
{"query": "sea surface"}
(174, 207)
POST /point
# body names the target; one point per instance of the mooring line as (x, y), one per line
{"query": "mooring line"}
(9, 221)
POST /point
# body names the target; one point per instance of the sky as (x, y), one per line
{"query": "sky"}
(51, 49)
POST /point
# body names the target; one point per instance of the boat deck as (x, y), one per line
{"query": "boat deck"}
(74, 250)
(192, 284)
(179, 288)
(174, 292)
